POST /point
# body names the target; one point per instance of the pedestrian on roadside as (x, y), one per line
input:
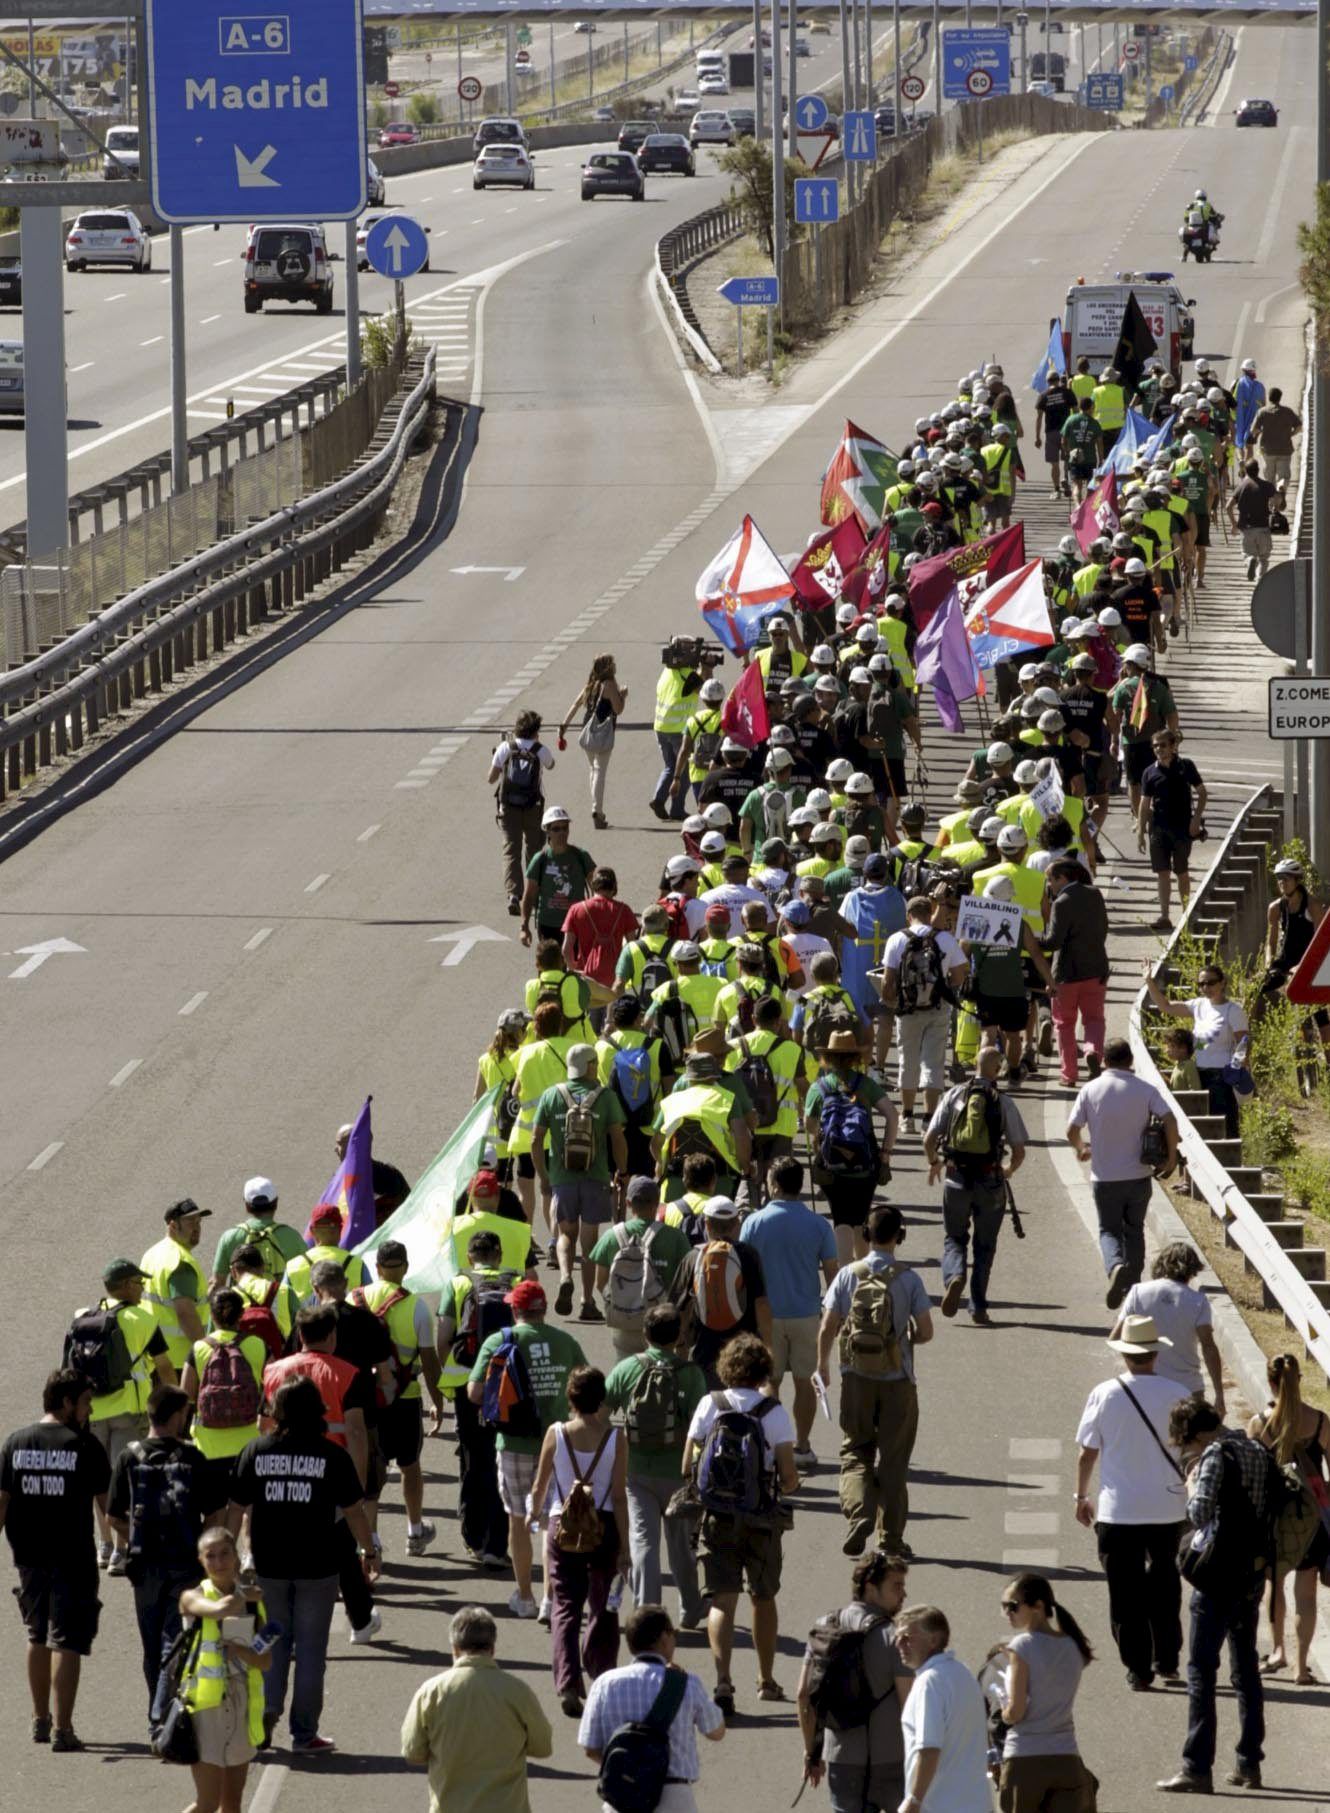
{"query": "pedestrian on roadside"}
(974, 1127)
(1249, 507)
(1046, 1656)
(584, 1125)
(1116, 1109)
(278, 1242)
(879, 1312)
(223, 1380)
(404, 1316)
(850, 1160)
(52, 1475)
(1172, 816)
(1077, 944)
(1221, 1030)
(720, 1289)
(222, 1683)
(476, 1725)
(601, 702)
(517, 770)
(943, 1724)
(176, 1290)
(557, 877)
(1272, 430)
(580, 1501)
(1183, 1313)
(1139, 1515)
(1298, 1435)
(473, 1306)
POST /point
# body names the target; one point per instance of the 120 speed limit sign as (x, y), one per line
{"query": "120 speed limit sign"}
(912, 87)
(979, 83)
(470, 88)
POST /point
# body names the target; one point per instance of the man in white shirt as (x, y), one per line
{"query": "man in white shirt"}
(923, 972)
(1114, 1108)
(1142, 1504)
(943, 1724)
(1182, 1314)
(736, 893)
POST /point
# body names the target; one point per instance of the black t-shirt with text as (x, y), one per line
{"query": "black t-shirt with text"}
(293, 1489)
(52, 1474)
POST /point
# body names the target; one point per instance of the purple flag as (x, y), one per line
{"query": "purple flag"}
(944, 659)
(352, 1187)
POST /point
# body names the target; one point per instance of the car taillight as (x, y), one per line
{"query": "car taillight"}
(129, 240)
(75, 239)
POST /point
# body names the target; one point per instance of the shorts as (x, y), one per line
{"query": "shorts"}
(848, 1198)
(997, 507)
(517, 1475)
(1008, 1013)
(1097, 769)
(115, 1433)
(1080, 466)
(1136, 758)
(1202, 529)
(59, 1610)
(896, 775)
(794, 1346)
(1053, 445)
(1277, 468)
(524, 1163)
(1168, 851)
(401, 1431)
(1256, 544)
(588, 1200)
(734, 1550)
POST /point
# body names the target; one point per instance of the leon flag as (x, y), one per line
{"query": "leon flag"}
(826, 563)
(744, 715)
(744, 585)
(351, 1188)
(856, 480)
(424, 1222)
(1097, 514)
(1010, 616)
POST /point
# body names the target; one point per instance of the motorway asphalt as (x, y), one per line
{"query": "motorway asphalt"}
(257, 901)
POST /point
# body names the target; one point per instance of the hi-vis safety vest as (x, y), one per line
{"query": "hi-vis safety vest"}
(161, 1262)
(1028, 885)
(712, 1108)
(1082, 580)
(999, 457)
(400, 1323)
(498, 1073)
(1110, 406)
(894, 631)
(138, 1324)
(574, 997)
(539, 1067)
(1161, 521)
(673, 704)
(297, 1289)
(798, 663)
(206, 1674)
(333, 1377)
(1082, 385)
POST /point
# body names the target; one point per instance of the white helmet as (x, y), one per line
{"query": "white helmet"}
(1109, 619)
(1214, 394)
(1249, 366)
(819, 799)
(712, 843)
(1029, 671)
(1011, 839)
(991, 829)
(1070, 547)
(1046, 695)
(1026, 774)
(1135, 569)
(717, 815)
(1052, 723)
(859, 784)
(1138, 655)
(866, 635)
(1001, 887)
(823, 655)
(845, 615)
(712, 692)
(1200, 195)
(839, 771)
(998, 754)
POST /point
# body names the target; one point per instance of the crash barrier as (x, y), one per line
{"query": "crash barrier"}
(1216, 53)
(126, 530)
(1227, 912)
(51, 704)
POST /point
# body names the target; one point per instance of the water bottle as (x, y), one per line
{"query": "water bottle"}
(614, 1598)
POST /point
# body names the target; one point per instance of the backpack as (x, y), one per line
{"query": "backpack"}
(96, 1347)
(733, 1477)
(258, 1319)
(1154, 1146)
(580, 1530)
(634, 1283)
(775, 814)
(484, 1313)
(265, 1239)
(403, 1375)
(847, 1144)
(760, 1081)
(630, 1078)
(520, 783)
(869, 1342)
(688, 1138)
(720, 1295)
(675, 1021)
(581, 1135)
(229, 1396)
(651, 1415)
(656, 972)
(507, 1112)
(823, 1015)
(706, 746)
(1232, 1553)
(920, 984)
(636, 1762)
(676, 913)
(718, 966)
(973, 1139)
(838, 1686)
(744, 1016)
(163, 1519)
(508, 1401)
(1295, 1516)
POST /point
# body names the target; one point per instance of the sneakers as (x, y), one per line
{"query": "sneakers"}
(520, 1607)
(658, 808)
(1162, 924)
(1242, 1777)
(65, 1739)
(1093, 1064)
(419, 1543)
(908, 1123)
(543, 1615)
(805, 1460)
(1117, 1287)
(856, 1540)
(366, 1634)
(951, 1296)
(514, 905)
(497, 1564)
(41, 1731)
(1185, 1783)
(563, 1301)
(119, 1563)
(981, 1318)
(589, 1313)
(312, 1746)
(104, 1552)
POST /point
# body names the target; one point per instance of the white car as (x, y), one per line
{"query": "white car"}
(686, 97)
(710, 128)
(371, 218)
(11, 377)
(503, 164)
(713, 82)
(103, 237)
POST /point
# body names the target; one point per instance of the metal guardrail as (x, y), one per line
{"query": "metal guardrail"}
(1203, 92)
(184, 616)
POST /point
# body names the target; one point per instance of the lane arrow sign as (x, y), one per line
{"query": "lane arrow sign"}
(37, 954)
(250, 170)
(397, 242)
(465, 940)
(509, 573)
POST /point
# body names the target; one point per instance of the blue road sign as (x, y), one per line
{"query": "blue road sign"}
(811, 113)
(396, 246)
(1189, 63)
(257, 116)
(1166, 92)
(1104, 92)
(858, 137)
(751, 292)
(816, 200)
(987, 48)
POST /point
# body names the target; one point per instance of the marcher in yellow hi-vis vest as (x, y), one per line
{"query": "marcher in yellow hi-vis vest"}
(1081, 383)
(553, 977)
(409, 1323)
(999, 457)
(541, 1065)
(325, 1224)
(701, 1117)
(177, 1289)
(1028, 884)
(673, 702)
(792, 1070)
(120, 1416)
(222, 1681)
(471, 1307)
(894, 631)
(497, 1069)
(702, 738)
(645, 962)
(1110, 405)
(785, 657)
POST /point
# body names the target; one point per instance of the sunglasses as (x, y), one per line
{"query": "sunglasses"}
(1011, 1605)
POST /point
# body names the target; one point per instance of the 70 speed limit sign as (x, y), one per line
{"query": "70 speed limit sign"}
(912, 87)
(979, 83)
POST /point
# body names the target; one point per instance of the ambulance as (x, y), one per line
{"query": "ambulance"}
(1092, 317)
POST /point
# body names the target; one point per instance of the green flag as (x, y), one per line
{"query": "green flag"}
(424, 1221)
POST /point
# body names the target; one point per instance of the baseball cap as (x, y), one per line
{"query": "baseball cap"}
(713, 844)
(719, 1208)
(827, 834)
(643, 1192)
(581, 1059)
(858, 849)
(555, 815)
(260, 1190)
(527, 1295)
(186, 1206)
(120, 1269)
(795, 912)
(685, 951)
(679, 866)
(875, 867)
(324, 1211)
(484, 1183)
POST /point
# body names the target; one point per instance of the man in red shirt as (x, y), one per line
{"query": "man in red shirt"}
(595, 930)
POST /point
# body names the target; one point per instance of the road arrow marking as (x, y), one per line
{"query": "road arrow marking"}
(38, 953)
(509, 573)
(467, 940)
(250, 170)
(396, 242)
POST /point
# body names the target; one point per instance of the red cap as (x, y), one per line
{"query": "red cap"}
(718, 915)
(326, 1211)
(485, 1183)
(527, 1295)
(933, 509)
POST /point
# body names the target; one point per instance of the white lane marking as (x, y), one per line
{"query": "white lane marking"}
(86, 366)
(1017, 1558)
(1044, 1485)
(1240, 332)
(155, 341)
(194, 1002)
(1274, 296)
(1035, 1447)
(367, 833)
(208, 320)
(124, 1073)
(317, 883)
(1216, 108)
(260, 937)
(46, 1154)
(1275, 200)
(208, 415)
(272, 1779)
(118, 297)
(217, 263)
(411, 783)
(1030, 1523)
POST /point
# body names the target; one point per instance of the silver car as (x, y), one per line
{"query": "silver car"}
(710, 128)
(103, 237)
(122, 153)
(503, 164)
(11, 377)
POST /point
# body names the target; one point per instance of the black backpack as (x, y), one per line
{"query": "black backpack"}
(96, 1347)
(636, 1762)
(839, 1690)
(520, 783)
(164, 1519)
(675, 1022)
(656, 972)
(760, 1081)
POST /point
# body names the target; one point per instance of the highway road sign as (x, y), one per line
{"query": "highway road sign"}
(470, 88)
(257, 116)
(1131, 50)
(396, 246)
(392, 90)
(522, 59)
(858, 138)
(1299, 706)
(913, 88)
(987, 48)
(978, 83)
(751, 292)
(811, 113)
(1166, 92)
(816, 200)
(1104, 92)
(1189, 63)
(1309, 985)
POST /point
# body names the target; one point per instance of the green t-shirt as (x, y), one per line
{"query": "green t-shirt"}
(840, 882)
(550, 1356)
(899, 710)
(278, 1243)
(551, 1112)
(1194, 483)
(561, 882)
(669, 1247)
(1159, 706)
(690, 1387)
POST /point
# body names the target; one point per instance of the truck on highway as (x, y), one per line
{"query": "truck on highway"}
(1092, 317)
(1051, 67)
(742, 69)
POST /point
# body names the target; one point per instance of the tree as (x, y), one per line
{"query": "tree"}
(422, 110)
(1314, 271)
(748, 164)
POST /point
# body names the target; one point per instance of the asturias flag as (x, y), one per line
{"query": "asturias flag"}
(351, 1188)
(855, 482)
(1010, 617)
(744, 715)
(826, 563)
(871, 915)
(1098, 514)
(744, 585)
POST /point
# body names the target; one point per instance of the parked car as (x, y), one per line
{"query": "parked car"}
(1258, 113)
(498, 129)
(1044, 88)
(613, 173)
(710, 128)
(500, 164)
(11, 377)
(667, 151)
(397, 132)
(712, 82)
(376, 190)
(819, 27)
(633, 133)
(122, 154)
(101, 237)
(288, 264)
(744, 121)
(11, 283)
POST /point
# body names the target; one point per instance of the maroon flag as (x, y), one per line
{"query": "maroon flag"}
(1098, 514)
(827, 562)
(868, 584)
(969, 569)
(744, 715)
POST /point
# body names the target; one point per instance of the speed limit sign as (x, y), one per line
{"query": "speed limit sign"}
(1131, 50)
(470, 88)
(979, 83)
(912, 87)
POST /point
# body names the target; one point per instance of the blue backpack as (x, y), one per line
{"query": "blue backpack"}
(733, 1476)
(847, 1145)
(509, 1402)
(632, 1080)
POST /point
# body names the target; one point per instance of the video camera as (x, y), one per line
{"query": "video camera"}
(686, 652)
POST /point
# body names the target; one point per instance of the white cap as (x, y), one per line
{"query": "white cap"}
(998, 754)
(802, 815)
(1138, 655)
(555, 815)
(713, 844)
(719, 1208)
(1001, 887)
(261, 1190)
(1026, 774)
(713, 691)
(679, 866)
(1109, 619)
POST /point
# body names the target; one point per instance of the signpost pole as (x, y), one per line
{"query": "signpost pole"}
(353, 370)
(937, 60)
(1297, 751)
(626, 51)
(459, 49)
(1318, 805)
(554, 96)
(817, 268)
(739, 317)
(896, 52)
(979, 128)
(759, 74)
(1023, 21)
(179, 372)
(778, 157)
(856, 175)
(868, 51)
(45, 447)
(510, 76)
(794, 81)
(845, 70)
(1149, 79)
(771, 347)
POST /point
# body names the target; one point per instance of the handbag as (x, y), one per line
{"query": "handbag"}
(597, 735)
(1154, 1152)
(1278, 523)
(175, 1739)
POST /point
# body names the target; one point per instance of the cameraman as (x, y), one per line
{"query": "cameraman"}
(686, 662)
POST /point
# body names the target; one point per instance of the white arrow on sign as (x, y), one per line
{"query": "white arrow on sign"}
(509, 573)
(38, 953)
(396, 242)
(250, 170)
(466, 940)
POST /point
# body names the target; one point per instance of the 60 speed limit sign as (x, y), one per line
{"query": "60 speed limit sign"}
(912, 87)
(470, 88)
(979, 83)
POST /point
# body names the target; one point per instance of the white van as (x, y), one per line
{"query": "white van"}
(1092, 317)
(710, 63)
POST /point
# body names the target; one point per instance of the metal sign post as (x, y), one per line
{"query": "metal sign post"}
(510, 65)
(179, 377)
(1318, 807)
(778, 155)
(793, 95)
(353, 365)
(759, 73)
(739, 318)
(46, 412)
(898, 71)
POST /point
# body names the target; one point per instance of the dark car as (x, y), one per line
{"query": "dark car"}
(744, 121)
(667, 151)
(632, 134)
(11, 283)
(613, 173)
(885, 118)
(1258, 113)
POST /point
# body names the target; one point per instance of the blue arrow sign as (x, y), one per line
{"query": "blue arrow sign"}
(985, 47)
(397, 247)
(1166, 92)
(751, 292)
(858, 134)
(811, 113)
(816, 200)
(1189, 63)
(256, 116)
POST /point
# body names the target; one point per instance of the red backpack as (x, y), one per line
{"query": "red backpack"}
(258, 1319)
(676, 911)
(228, 1390)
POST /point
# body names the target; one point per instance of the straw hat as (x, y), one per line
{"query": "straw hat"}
(1139, 1335)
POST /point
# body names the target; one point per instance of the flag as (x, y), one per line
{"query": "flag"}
(1160, 439)
(856, 480)
(1010, 617)
(867, 585)
(968, 568)
(351, 1188)
(424, 1221)
(1136, 344)
(944, 660)
(744, 585)
(870, 915)
(1134, 436)
(826, 563)
(1054, 359)
(1249, 395)
(744, 716)
(1098, 514)
(1140, 705)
